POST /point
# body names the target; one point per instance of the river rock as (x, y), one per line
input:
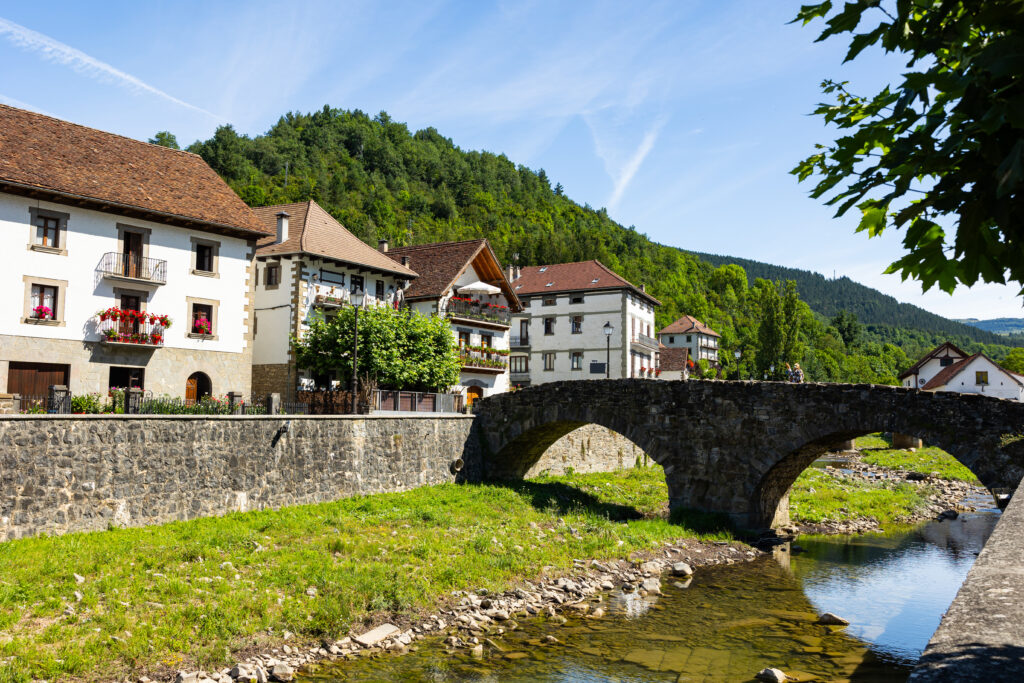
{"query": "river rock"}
(772, 676)
(371, 638)
(282, 672)
(682, 569)
(830, 619)
(652, 585)
(651, 568)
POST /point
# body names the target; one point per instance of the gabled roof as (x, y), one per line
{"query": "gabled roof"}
(313, 231)
(948, 373)
(67, 163)
(689, 325)
(937, 352)
(442, 263)
(580, 276)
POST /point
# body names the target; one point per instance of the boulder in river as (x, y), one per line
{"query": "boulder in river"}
(772, 676)
(829, 619)
(682, 569)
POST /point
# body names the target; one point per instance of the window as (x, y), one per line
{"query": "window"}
(486, 340)
(577, 360)
(205, 257)
(356, 282)
(525, 302)
(577, 299)
(380, 290)
(981, 377)
(577, 324)
(549, 360)
(272, 275)
(127, 378)
(48, 231)
(671, 340)
(202, 318)
(550, 300)
(689, 337)
(463, 339)
(43, 302)
(519, 364)
(549, 325)
(943, 362)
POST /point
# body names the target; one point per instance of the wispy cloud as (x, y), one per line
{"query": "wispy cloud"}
(11, 102)
(628, 170)
(60, 53)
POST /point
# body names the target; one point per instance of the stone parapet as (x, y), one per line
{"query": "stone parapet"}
(61, 474)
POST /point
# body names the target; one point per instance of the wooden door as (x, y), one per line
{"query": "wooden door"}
(35, 379)
(132, 254)
(192, 389)
(129, 302)
(472, 394)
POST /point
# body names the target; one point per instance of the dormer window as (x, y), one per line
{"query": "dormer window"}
(549, 284)
(594, 281)
(544, 269)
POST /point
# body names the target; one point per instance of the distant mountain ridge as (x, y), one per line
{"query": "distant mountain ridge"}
(871, 307)
(1001, 326)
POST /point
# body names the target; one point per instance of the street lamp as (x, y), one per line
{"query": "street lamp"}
(357, 302)
(608, 329)
(738, 354)
(771, 372)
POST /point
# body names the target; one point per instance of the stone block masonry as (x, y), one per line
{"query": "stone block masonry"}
(592, 448)
(61, 474)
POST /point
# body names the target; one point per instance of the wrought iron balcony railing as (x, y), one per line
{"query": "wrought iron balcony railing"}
(133, 267)
(474, 309)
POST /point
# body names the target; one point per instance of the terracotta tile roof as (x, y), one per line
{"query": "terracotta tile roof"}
(673, 359)
(948, 373)
(311, 230)
(438, 265)
(46, 156)
(580, 276)
(689, 325)
(934, 353)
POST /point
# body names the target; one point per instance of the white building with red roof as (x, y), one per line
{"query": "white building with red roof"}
(689, 333)
(947, 368)
(567, 310)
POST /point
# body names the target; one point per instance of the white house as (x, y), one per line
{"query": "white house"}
(463, 281)
(91, 221)
(310, 263)
(946, 368)
(689, 333)
(567, 310)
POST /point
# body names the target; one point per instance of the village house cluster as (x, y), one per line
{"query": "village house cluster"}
(135, 266)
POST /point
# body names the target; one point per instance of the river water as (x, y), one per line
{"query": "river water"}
(731, 621)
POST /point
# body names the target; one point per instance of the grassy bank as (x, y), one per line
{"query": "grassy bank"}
(186, 594)
(925, 460)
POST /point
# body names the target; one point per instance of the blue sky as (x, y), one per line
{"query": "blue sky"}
(682, 118)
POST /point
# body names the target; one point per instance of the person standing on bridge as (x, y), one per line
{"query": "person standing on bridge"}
(798, 374)
(789, 373)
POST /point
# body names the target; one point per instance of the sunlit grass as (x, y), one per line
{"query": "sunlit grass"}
(817, 496)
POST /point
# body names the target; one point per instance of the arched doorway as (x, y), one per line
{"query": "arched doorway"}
(197, 386)
(472, 394)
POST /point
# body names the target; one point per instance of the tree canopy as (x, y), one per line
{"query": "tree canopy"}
(941, 155)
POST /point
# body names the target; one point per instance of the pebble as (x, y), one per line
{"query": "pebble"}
(772, 676)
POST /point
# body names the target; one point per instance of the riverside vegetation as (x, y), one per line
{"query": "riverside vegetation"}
(206, 592)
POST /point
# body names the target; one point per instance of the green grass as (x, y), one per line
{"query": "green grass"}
(161, 597)
(873, 441)
(819, 497)
(925, 460)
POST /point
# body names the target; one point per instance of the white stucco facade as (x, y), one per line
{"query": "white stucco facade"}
(78, 270)
(980, 375)
(561, 336)
(699, 345)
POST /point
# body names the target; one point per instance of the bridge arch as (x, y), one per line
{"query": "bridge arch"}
(737, 447)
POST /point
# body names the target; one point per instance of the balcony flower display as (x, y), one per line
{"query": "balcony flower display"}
(202, 326)
(124, 326)
(163, 320)
(42, 312)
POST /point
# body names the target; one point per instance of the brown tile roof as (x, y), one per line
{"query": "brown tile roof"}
(311, 230)
(689, 324)
(948, 373)
(673, 359)
(573, 277)
(438, 265)
(44, 156)
(934, 353)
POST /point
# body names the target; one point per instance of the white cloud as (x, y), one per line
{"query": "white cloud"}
(625, 173)
(11, 102)
(56, 51)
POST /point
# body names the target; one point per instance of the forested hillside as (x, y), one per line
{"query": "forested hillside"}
(1000, 326)
(383, 181)
(871, 307)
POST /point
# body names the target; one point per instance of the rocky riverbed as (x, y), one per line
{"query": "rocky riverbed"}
(946, 498)
(477, 620)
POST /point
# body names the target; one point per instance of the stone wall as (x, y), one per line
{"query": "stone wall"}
(275, 378)
(86, 472)
(592, 448)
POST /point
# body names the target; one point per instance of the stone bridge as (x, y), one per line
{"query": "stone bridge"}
(737, 447)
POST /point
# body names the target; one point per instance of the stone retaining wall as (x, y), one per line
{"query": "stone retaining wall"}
(592, 448)
(60, 474)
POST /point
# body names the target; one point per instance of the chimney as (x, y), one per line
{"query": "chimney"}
(282, 227)
(382, 246)
(517, 273)
(405, 261)
(510, 272)
(643, 288)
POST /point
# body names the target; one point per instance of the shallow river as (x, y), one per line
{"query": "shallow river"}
(732, 621)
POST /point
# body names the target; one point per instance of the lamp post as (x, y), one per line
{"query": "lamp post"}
(608, 329)
(771, 371)
(357, 302)
(738, 354)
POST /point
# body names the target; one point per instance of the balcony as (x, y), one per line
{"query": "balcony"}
(482, 359)
(519, 341)
(479, 311)
(328, 302)
(133, 268)
(646, 342)
(133, 329)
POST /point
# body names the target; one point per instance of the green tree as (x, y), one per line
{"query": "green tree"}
(165, 139)
(847, 326)
(943, 148)
(1014, 361)
(400, 350)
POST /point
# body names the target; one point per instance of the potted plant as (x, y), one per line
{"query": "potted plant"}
(110, 334)
(657, 373)
(156, 339)
(42, 312)
(202, 326)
